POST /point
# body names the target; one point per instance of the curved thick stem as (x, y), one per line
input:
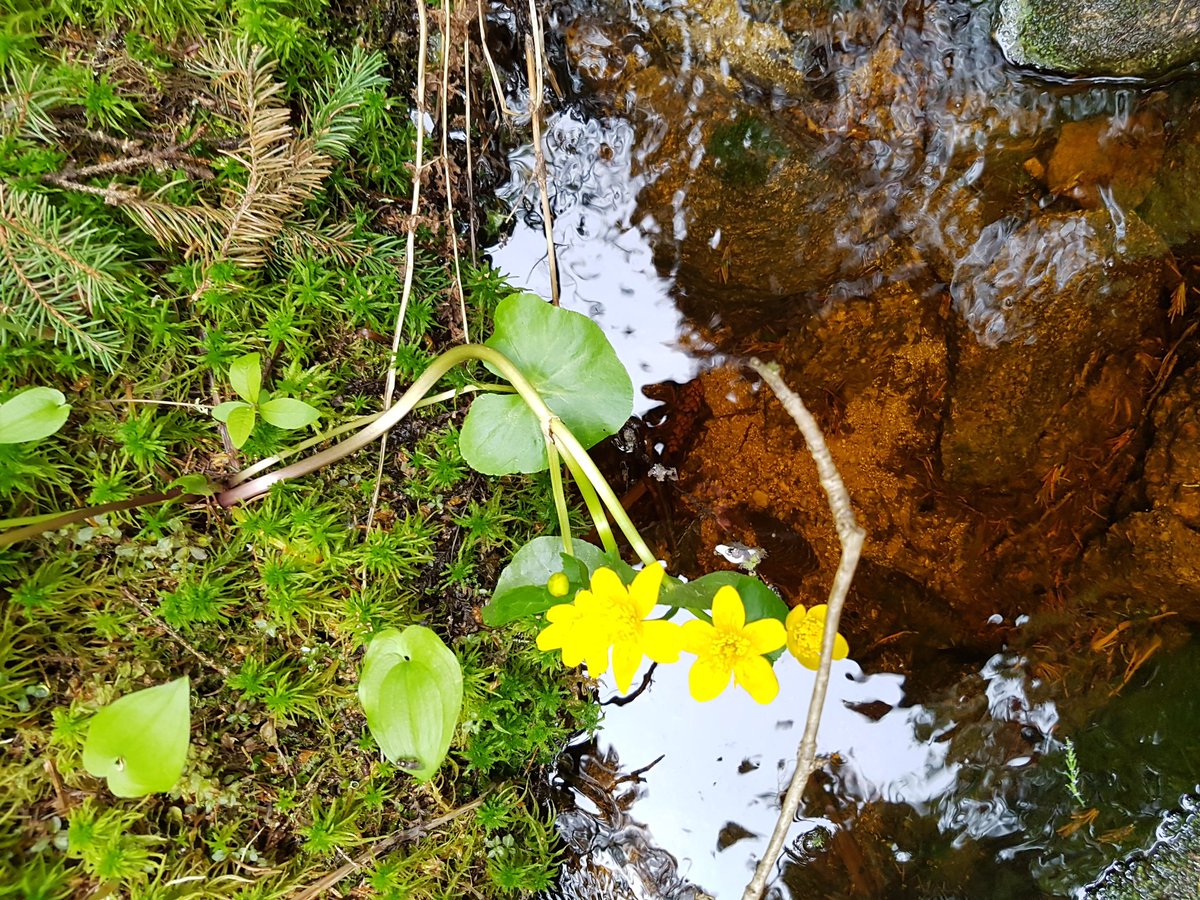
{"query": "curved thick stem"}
(560, 498)
(571, 448)
(594, 507)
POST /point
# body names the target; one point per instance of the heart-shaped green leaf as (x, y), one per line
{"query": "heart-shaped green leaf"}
(32, 415)
(567, 358)
(521, 588)
(245, 376)
(411, 688)
(288, 413)
(240, 423)
(139, 742)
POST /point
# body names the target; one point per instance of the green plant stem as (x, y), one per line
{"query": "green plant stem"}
(570, 447)
(594, 507)
(9, 538)
(356, 422)
(386, 421)
(560, 498)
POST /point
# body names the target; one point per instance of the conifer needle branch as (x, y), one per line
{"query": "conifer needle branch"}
(389, 389)
(851, 538)
(534, 62)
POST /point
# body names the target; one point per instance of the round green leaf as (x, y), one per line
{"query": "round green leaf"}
(245, 376)
(285, 412)
(411, 688)
(521, 589)
(567, 358)
(32, 415)
(240, 423)
(139, 742)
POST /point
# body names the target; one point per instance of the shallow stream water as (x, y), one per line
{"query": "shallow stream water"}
(983, 282)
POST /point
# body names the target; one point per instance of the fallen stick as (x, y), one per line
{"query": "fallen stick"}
(851, 537)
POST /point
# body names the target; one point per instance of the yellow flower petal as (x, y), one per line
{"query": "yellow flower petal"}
(728, 612)
(807, 658)
(706, 681)
(627, 657)
(755, 674)
(662, 641)
(552, 637)
(841, 649)
(645, 587)
(766, 635)
(562, 612)
(697, 636)
(607, 584)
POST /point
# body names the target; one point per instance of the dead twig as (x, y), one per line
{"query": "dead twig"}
(320, 886)
(453, 236)
(389, 389)
(851, 537)
(535, 54)
(180, 639)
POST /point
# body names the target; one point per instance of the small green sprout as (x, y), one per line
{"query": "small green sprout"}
(1072, 772)
(239, 416)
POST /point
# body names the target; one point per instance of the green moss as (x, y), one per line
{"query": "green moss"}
(267, 606)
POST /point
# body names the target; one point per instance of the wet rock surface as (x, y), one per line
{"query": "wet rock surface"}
(1151, 557)
(1100, 37)
(983, 285)
(1052, 313)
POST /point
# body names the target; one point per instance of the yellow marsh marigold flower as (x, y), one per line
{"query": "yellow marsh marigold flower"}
(804, 630)
(730, 647)
(613, 615)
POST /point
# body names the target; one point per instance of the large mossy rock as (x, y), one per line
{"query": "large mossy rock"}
(1100, 37)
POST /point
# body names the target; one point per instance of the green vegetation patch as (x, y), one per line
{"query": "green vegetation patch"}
(197, 276)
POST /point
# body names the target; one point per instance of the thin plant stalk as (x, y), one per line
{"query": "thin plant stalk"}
(594, 507)
(534, 62)
(560, 498)
(851, 538)
(389, 388)
(570, 448)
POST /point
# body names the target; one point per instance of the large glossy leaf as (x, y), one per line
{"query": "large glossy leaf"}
(567, 358)
(411, 692)
(32, 415)
(521, 589)
(139, 742)
(245, 376)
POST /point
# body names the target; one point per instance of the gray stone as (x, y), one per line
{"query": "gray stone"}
(1100, 37)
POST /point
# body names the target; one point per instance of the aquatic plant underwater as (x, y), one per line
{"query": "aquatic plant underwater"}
(563, 389)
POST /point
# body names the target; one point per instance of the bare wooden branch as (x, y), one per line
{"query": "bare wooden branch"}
(851, 537)
(318, 888)
(535, 54)
(389, 389)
